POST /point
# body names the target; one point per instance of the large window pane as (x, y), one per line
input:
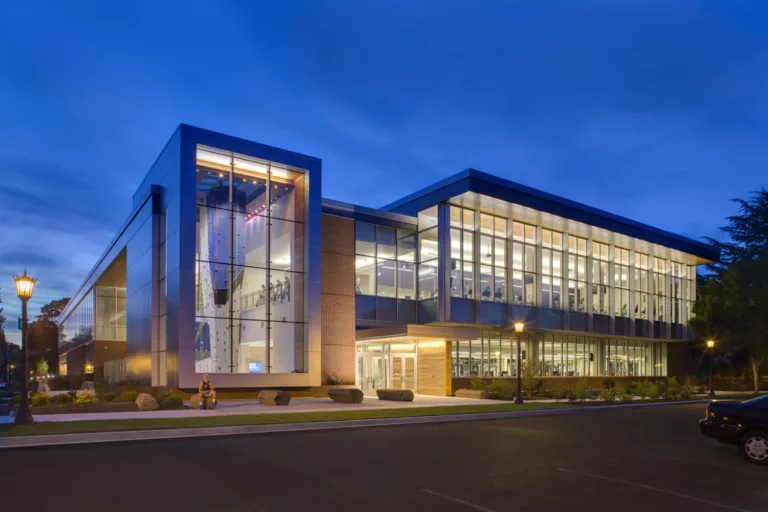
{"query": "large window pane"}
(428, 245)
(427, 218)
(365, 239)
(385, 278)
(386, 242)
(428, 280)
(406, 245)
(406, 280)
(365, 275)
(486, 283)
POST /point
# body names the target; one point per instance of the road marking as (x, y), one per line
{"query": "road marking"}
(458, 500)
(655, 489)
(691, 461)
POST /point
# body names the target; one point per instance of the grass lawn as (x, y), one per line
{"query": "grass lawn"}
(74, 427)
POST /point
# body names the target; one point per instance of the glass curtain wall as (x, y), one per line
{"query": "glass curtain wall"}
(77, 329)
(493, 265)
(523, 264)
(110, 313)
(577, 274)
(600, 279)
(551, 269)
(659, 293)
(250, 265)
(494, 354)
(428, 252)
(384, 261)
(621, 282)
(642, 265)
(462, 252)
(676, 278)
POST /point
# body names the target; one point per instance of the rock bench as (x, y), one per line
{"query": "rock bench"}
(472, 393)
(194, 402)
(395, 395)
(346, 395)
(274, 397)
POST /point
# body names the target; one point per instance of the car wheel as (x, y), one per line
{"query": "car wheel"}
(754, 447)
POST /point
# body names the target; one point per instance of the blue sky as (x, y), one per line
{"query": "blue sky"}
(655, 110)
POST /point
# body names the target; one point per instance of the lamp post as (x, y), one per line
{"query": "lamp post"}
(519, 327)
(24, 286)
(711, 346)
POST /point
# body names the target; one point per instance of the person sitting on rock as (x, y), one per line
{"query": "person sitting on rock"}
(207, 392)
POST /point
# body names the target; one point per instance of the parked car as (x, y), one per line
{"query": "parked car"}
(742, 423)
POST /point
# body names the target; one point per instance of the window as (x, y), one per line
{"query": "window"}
(462, 252)
(600, 279)
(676, 279)
(551, 269)
(493, 282)
(384, 261)
(428, 252)
(659, 293)
(621, 282)
(523, 264)
(642, 265)
(577, 274)
(249, 271)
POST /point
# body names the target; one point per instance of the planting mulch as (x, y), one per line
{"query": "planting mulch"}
(74, 408)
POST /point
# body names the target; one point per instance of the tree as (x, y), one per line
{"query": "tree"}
(731, 305)
(43, 333)
(42, 368)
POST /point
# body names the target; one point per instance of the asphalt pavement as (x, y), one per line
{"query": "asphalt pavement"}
(630, 460)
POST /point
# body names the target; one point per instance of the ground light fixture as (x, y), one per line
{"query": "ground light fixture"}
(519, 328)
(24, 287)
(711, 346)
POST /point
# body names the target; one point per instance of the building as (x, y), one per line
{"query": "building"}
(231, 264)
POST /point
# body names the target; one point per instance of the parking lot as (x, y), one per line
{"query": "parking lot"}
(629, 460)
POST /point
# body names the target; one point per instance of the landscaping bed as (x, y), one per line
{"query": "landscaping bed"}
(74, 408)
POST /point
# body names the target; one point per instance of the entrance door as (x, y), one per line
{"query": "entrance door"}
(371, 371)
(404, 372)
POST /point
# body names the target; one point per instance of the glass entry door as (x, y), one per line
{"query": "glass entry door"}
(404, 372)
(371, 371)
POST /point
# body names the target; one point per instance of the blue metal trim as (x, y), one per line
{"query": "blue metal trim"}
(471, 180)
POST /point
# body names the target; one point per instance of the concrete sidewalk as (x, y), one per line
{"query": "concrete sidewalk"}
(182, 433)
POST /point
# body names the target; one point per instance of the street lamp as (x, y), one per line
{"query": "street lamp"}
(711, 346)
(24, 287)
(519, 328)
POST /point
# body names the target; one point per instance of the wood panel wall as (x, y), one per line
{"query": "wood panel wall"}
(434, 369)
(338, 299)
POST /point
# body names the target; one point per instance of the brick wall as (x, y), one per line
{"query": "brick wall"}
(338, 299)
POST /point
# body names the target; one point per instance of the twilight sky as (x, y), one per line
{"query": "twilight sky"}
(655, 110)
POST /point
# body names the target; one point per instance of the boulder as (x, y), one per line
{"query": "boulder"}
(346, 395)
(395, 395)
(147, 402)
(274, 397)
(472, 393)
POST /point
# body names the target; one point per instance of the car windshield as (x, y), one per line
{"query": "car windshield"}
(757, 401)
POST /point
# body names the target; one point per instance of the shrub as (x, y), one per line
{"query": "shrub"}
(654, 391)
(609, 383)
(625, 397)
(528, 378)
(40, 400)
(582, 391)
(171, 402)
(608, 395)
(15, 400)
(110, 396)
(86, 397)
(502, 389)
(639, 388)
(687, 390)
(129, 396)
(61, 399)
(72, 395)
(673, 389)
(476, 383)
(559, 393)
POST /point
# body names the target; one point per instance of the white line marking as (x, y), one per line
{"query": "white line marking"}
(656, 489)
(457, 500)
(691, 461)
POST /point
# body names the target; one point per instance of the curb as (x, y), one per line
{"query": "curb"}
(191, 433)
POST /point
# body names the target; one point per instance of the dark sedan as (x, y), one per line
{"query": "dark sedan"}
(741, 423)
